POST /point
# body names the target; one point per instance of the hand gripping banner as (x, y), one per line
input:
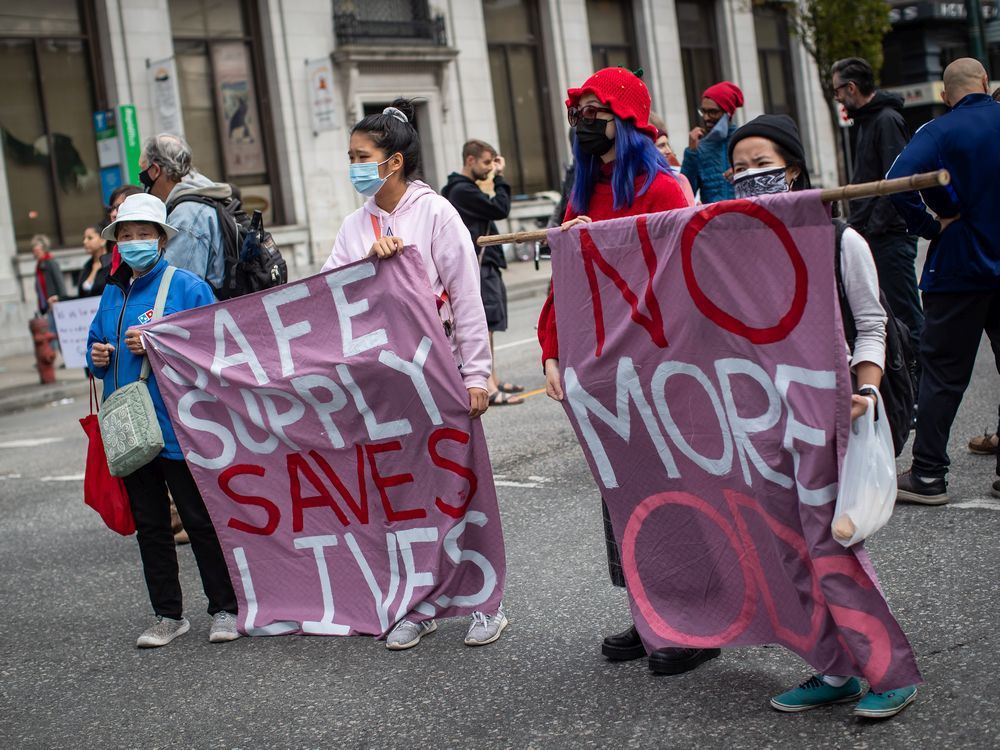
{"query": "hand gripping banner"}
(706, 375)
(327, 427)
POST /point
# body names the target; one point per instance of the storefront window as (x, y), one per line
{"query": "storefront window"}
(612, 39)
(699, 50)
(46, 119)
(775, 59)
(218, 74)
(521, 94)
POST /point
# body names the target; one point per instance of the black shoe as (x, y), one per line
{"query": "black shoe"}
(623, 646)
(679, 660)
(910, 489)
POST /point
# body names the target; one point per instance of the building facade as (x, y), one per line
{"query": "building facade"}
(266, 91)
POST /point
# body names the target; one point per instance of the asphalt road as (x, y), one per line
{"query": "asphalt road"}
(74, 601)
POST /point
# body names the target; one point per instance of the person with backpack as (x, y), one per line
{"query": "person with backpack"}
(168, 173)
(401, 210)
(768, 157)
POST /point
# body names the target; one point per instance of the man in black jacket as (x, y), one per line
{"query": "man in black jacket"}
(880, 135)
(480, 211)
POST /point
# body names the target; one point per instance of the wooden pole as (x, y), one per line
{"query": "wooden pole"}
(830, 195)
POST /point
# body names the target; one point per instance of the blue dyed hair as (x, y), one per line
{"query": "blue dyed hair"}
(635, 154)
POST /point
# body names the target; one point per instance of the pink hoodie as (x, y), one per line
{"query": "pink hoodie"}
(426, 220)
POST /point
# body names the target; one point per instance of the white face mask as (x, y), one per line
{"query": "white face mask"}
(760, 181)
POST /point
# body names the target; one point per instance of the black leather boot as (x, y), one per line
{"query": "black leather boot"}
(679, 660)
(623, 646)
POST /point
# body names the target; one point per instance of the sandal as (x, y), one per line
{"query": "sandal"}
(511, 388)
(499, 398)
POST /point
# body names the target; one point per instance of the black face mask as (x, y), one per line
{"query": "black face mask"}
(591, 137)
(146, 180)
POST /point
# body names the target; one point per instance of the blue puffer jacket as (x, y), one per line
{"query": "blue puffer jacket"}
(122, 307)
(965, 257)
(706, 166)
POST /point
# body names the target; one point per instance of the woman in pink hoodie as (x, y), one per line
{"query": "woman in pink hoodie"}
(402, 210)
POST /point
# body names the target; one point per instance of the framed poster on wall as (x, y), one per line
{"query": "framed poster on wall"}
(236, 104)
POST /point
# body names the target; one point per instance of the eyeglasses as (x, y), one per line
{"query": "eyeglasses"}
(843, 85)
(588, 114)
(710, 113)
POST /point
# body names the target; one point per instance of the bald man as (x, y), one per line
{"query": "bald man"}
(961, 276)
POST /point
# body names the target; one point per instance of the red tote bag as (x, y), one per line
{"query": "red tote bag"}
(101, 491)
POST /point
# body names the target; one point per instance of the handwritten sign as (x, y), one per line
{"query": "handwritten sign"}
(706, 376)
(327, 427)
(73, 318)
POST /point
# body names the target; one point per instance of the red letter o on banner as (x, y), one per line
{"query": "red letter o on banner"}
(716, 314)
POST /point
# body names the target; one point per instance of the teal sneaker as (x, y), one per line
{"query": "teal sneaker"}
(887, 704)
(814, 693)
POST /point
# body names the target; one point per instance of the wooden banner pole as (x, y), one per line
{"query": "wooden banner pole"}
(830, 195)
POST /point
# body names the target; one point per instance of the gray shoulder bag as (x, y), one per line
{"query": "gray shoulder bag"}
(129, 429)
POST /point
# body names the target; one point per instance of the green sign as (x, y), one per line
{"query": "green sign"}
(129, 133)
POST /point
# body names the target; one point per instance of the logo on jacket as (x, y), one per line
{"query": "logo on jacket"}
(146, 317)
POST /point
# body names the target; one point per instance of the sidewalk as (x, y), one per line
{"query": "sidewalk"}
(20, 388)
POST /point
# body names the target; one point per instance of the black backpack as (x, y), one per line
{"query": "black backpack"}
(252, 260)
(899, 385)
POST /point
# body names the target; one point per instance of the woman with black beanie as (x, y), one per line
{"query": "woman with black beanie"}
(767, 157)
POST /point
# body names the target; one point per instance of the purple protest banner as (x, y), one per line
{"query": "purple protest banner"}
(327, 427)
(706, 375)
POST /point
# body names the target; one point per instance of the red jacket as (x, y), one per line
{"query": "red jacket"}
(663, 195)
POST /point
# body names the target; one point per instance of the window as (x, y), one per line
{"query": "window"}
(48, 76)
(775, 59)
(216, 45)
(521, 94)
(612, 40)
(387, 21)
(699, 50)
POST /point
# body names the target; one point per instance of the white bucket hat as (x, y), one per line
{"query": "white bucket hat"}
(140, 207)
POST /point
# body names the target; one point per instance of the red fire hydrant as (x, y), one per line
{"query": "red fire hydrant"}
(45, 355)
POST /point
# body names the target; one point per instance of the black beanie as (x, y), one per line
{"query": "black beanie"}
(778, 128)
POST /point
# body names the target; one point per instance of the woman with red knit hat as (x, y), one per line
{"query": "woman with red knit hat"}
(619, 172)
(706, 159)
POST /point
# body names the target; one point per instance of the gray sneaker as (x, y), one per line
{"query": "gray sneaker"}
(485, 628)
(407, 634)
(223, 628)
(164, 631)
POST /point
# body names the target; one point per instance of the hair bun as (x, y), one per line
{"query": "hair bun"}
(404, 107)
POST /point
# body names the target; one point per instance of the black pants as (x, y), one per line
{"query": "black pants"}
(615, 569)
(147, 494)
(895, 259)
(953, 328)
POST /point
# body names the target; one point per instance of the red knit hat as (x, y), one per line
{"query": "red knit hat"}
(623, 91)
(727, 95)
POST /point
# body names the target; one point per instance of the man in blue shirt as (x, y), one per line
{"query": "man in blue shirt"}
(961, 276)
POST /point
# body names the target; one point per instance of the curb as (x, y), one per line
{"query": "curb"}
(33, 396)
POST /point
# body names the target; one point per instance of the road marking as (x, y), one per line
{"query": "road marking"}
(30, 442)
(512, 344)
(539, 479)
(984, 504)
(506, 483)
(64, 478)
(10, 476)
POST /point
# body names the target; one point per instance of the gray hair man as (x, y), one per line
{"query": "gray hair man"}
(168, 173)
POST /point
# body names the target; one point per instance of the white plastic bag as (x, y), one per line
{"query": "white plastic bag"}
(867, 491)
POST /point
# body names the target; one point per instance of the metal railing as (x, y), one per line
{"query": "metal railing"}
(373, 21)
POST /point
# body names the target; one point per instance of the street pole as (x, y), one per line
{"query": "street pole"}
(977, 45)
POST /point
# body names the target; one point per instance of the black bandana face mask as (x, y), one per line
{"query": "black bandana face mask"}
(591, 137)
(762, 181)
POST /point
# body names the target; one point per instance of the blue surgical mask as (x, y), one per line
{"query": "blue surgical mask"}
(140, 254)
(364, 177)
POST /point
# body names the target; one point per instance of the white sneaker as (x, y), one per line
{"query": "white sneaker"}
(485, 628)
(223, 628)
(164, 631)
(407, 634)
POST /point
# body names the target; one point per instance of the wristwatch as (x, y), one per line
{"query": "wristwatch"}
(868, 390)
